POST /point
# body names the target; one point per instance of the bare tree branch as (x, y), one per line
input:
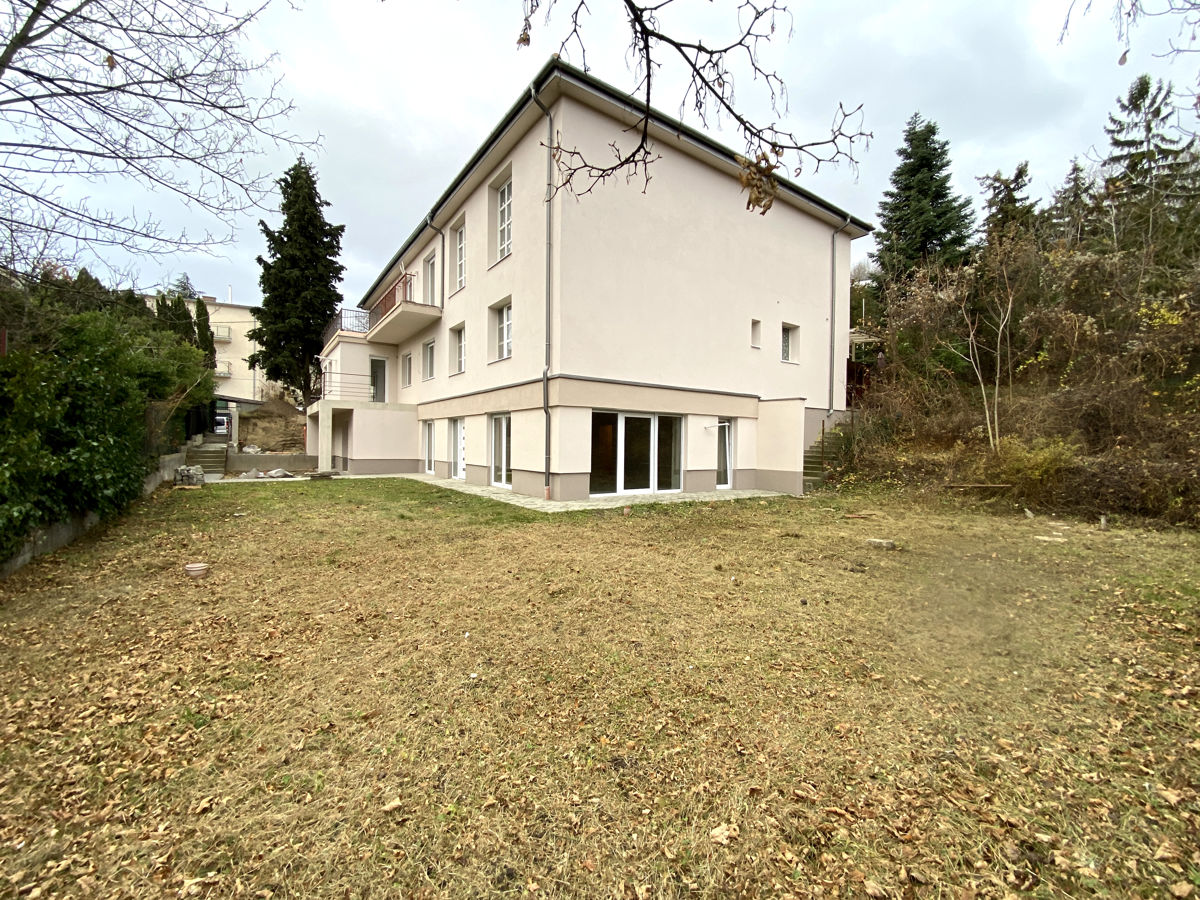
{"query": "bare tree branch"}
(151, 91)
(709, 94)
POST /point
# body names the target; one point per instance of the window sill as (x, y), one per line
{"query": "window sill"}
(790, 362)
(429, 378)
(756, 346)
(500, 359)
(459, 372)
(457, 290)
(500, 260)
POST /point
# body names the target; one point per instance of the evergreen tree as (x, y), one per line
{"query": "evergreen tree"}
(298, 280)
(920, 219)
(205, 339)
(1147, 149)
(1071, 215)
(1006, 203)
(181, 320)
(1152, 176)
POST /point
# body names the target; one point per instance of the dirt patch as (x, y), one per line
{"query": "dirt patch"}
(384, 689)
(275, 427)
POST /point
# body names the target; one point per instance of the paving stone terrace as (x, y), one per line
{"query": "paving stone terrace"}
(537, 503)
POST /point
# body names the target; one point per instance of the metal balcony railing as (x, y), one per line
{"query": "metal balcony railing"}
(400, 292)
(355, 320)
(344, 386)
(222, 332)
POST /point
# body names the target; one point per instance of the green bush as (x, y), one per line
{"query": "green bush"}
(73, 419)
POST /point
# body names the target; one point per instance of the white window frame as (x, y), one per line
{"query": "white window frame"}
(427, 448)
(458, 448)
(504, 330)
(725, 438)
(787, 343)
(459, 335)
(429, 277)
(460, 257)
(622, 418)
(428, 360)
(406, 370)
(504, 220)
(500, 468)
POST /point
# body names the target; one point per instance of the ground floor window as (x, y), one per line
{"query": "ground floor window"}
(427, 442)
(636, 453)
(502, 450)
(458, 449)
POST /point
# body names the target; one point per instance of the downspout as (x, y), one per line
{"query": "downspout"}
(441, 258)
(549, 222)
(833, 311)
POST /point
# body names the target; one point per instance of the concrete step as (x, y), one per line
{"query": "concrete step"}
(210, 457)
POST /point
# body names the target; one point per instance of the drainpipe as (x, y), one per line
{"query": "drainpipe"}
(549, 207)
(441, 257)
(833, 311)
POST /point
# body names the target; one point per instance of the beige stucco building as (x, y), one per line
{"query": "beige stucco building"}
(234, 377)
(628, 341)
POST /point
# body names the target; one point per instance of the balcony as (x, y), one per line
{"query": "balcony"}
(352, 320)
(223, 369)
(397, 316)
(222, 332)
(344, 386)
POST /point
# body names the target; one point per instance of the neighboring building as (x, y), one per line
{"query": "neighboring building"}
(235, 380)
(627, 341)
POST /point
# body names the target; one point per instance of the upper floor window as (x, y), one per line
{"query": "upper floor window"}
(460, 257)
(406, 370)
(504, 220)
(429, 278)
(788, 343)
(427, 360)
(503, 322)
(458, 346)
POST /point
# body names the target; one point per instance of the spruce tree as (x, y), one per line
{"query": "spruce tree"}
(1147, 149)
(298, 280)
(920, 219)
(1071, 216)
(1006, 202)
(1152, 184)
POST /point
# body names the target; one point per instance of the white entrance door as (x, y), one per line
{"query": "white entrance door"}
(724, 453)
(458, 449)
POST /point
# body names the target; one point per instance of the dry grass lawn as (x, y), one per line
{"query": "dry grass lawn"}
(389, 690)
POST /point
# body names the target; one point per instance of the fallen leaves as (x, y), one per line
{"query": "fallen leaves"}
(723, 834)
(924, 729)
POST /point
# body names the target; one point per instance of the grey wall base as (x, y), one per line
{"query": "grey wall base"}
(60, 534)
(265, 462)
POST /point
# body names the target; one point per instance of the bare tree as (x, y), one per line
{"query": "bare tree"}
(1127, 14)
(712, 71)
(149, 92)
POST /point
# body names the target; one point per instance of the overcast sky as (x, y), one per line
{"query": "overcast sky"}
(402, 93)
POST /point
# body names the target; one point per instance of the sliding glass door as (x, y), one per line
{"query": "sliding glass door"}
(636, 453)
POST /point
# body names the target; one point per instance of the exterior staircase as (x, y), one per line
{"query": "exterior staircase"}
(209, 455)
(821, 455)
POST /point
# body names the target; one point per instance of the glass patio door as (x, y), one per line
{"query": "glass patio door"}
(635, 453)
